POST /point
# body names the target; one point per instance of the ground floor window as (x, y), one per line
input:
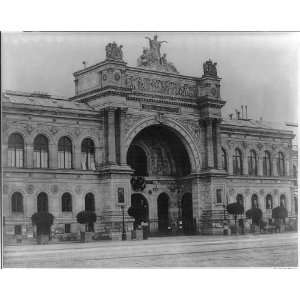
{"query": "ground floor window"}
(18, 229)
(67, 228)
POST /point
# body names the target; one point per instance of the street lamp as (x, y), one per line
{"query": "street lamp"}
(123, 224)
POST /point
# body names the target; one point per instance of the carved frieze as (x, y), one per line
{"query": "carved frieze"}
(166, 87)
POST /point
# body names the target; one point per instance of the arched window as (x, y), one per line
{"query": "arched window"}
(66, 202)
(89, 202)
(40, 148)
(269, 202)
(42, 202)
(282, 200)
(237, 162)
(280, 164)
(240, 199)
(17, 203)
(252, 163)
(64, 153)
(88, 155)
(267, 164)
(15, 151)
(254, 201)
(224, 159)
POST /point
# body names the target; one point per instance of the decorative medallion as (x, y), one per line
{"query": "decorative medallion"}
(138, 183)
(231, 192)
(54, 189)
(247, 192)
(77, 131)
(29, 128)
(259, 146)
(30, 189)
(275, 191)
(117, 76)
(262, 192)
(53, 130)
(78, 189)
(274, 147)
(244, 144)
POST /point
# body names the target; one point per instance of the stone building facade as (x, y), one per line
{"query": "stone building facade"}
(139, 136)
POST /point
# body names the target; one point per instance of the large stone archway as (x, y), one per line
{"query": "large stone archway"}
(174, 126)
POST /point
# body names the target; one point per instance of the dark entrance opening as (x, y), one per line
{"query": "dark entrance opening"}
(163, 213)
(139, 209)
(137, 160)
(187, 214)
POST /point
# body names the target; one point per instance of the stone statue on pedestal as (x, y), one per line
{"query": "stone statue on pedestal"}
(113, 51)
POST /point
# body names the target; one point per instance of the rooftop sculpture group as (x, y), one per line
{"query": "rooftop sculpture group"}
(152, 58)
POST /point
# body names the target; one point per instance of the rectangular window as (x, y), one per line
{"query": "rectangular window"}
(18, 229)
(11, 158)
(19, 158)
(219, 195)
(67, 228)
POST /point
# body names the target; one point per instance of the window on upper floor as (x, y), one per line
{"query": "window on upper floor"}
(269, 202)
(42, 202)
(89, 202)
(282, 200)
(240, 199)
(254, 201)
(88, 155)
(224, 159)
(267, 164)
(15, 151)
(40, 152)
(64, 153)
(17, 203)
(252, 163)
(66, 202)
(280, 164)
(237, 162)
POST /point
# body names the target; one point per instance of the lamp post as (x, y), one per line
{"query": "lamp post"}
(123, 224)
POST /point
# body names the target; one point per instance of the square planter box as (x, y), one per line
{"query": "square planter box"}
(116, 236)
(139, 234)
(43, 239)
(86, 236)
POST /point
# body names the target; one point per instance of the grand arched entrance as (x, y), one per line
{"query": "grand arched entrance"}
(161, 162)
(163, 213)
(187, 213)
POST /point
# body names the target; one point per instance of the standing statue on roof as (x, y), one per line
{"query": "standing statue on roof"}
(155, 45)
(151, 57)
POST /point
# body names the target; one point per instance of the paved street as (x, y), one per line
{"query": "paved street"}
(269, 250)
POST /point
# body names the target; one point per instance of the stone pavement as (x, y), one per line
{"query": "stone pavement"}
(265, 250)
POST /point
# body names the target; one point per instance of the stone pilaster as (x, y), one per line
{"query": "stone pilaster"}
(259, 165)
(274, 166)
(53, 156)
(77, 158)
(28, 156)
(122, 136)
(230, 162)
(4, 155)
(111, 135)
(219, 147)
(245, 163)
(209, 145)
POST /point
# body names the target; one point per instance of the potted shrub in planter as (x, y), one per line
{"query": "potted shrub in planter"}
(255, 214)
(280, 213)
(86, 219)
(235, 209)
(43, 222)
(138, 213)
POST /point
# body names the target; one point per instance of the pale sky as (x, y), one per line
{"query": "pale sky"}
(259, 70)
